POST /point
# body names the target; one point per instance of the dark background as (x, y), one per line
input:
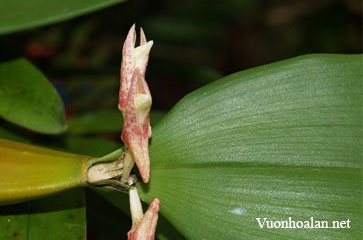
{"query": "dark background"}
(195, 42)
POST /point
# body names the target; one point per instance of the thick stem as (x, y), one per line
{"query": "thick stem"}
(104, 171)
(112, 170)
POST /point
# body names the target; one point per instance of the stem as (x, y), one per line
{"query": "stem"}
(104, 171)
(135, 208)
(128, 164)
(112, 170)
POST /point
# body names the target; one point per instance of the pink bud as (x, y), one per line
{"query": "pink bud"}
(135, 101)
(135, 132)
(132, 58)
(143, 226)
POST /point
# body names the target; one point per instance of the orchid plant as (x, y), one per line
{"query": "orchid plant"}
(135, 105)
(275, 142)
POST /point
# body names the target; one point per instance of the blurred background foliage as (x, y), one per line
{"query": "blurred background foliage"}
(195, 43)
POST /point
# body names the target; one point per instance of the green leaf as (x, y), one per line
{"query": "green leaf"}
(28, 99)
(61, 216)
(17, 15)
(106, 121)
(278, 141)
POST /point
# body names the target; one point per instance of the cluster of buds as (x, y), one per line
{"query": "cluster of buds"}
(135, 103)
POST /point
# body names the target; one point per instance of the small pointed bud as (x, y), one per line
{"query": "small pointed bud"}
(143, 226)
(135, 132)
(132, 58)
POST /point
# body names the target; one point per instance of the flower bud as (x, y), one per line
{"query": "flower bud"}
(132, 58)
(135, 132)
(143, 225)
(135, 101)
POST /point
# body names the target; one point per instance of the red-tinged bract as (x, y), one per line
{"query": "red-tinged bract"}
(145, 229)
(135, 101)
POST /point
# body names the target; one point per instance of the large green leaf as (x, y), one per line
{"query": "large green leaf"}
(16, 15)
(28, 99)
(277, 141)
(61, 216)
